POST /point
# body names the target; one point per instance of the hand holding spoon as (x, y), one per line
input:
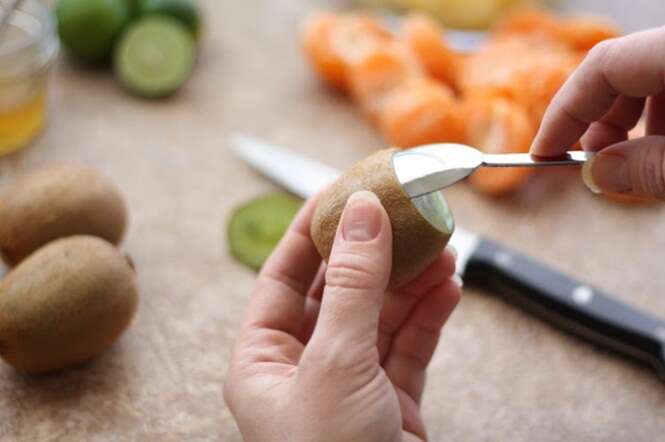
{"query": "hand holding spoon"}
(433, 167)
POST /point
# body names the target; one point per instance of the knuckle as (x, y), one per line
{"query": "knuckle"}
(601, 50)
(601, 56)
(352, 272)
(338, 358)
(413, 358)
(653, 171)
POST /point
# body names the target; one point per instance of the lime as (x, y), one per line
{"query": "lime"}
(255, 228)
(155, 56)
(133, 6)
(88, 28)
(185, 11)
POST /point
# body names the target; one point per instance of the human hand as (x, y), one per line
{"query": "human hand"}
(605, 98)
(325, 353)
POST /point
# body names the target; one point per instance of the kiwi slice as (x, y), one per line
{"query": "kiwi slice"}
(155, 56)
(256, 227)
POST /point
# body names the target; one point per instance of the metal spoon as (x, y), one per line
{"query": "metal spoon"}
(433, 167)
(6, 15)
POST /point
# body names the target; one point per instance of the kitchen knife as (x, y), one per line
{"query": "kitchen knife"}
(569, 304)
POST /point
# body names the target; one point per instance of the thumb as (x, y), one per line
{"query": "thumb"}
(356, 279)
(634, 167)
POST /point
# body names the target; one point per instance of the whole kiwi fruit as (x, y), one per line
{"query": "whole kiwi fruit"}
(56, 202)
(421, 228)
(64, 304)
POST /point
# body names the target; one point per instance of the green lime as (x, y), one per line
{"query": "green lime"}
(255, 228)
(133, 6)
(185, 11)
(88, 28)
(155, 56)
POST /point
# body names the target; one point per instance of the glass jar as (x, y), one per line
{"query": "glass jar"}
(28, 47)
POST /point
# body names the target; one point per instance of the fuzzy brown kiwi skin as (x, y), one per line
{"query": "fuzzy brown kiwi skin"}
(65, 304)
(416, 243)
(57, 202)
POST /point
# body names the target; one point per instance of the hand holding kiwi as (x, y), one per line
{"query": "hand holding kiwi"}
(420, 231)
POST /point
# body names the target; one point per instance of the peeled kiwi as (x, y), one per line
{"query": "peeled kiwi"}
(56, 202)
(64, 304)
(421, 228)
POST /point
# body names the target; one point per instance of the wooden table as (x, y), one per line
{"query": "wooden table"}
(498, 373)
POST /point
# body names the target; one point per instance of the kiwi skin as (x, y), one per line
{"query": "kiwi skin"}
(65, 304)
(56, 202)
(416, 243)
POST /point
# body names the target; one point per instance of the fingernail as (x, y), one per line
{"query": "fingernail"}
(607, 172)
(361, 220)
(457, 279)
(587, 178)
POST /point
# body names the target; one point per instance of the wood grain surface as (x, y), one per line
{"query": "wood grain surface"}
(498, 373)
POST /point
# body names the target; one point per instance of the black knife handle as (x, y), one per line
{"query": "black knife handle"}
(569, 304)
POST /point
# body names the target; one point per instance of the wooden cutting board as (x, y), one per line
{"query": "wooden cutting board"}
(498, 373)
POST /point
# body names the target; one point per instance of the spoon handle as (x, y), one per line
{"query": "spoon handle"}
(571, 158)
(6, 14)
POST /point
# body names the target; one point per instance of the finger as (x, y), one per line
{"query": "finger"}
(613, 127)
(655, 124)
(408, 436)
(441, 269)
(397, 305)
(623, 66)
(312, 308)
(634, 167)
(356, 279)
(416, 341)
(312, 305)
(412, 420)
(316, 289)
(279, 297)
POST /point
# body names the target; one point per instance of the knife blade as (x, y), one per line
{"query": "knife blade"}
(573, 306)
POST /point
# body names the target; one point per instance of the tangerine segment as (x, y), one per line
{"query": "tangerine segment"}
(421, 111)
(375, 75)
(527, 21)
(498, 126)
(316, 40)
(579, 32)
(356, 34)
(492, 67)
(424, 38)
(539, 83)
(524, 70)
(331, 41)
(583, 32)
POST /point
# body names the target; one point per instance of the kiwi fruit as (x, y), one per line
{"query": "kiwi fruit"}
(56, 202)
(421, 228)
(64, 304)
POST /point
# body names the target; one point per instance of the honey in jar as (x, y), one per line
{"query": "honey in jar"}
(27, 50)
